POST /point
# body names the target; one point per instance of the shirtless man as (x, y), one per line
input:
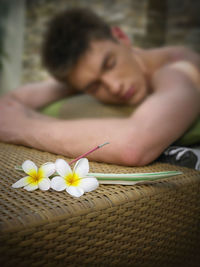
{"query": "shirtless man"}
(84, 55)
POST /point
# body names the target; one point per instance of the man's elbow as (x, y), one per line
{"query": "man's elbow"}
(135, 156)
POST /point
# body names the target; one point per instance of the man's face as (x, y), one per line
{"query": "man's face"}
(111, 73)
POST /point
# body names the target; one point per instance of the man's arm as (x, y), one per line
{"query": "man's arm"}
(40, 94)
(169, 112)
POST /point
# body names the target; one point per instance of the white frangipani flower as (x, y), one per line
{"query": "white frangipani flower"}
(75, 182)
(37, 178)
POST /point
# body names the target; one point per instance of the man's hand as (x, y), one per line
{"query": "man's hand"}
(14, 119)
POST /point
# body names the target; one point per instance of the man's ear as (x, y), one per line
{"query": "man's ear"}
(120, 35)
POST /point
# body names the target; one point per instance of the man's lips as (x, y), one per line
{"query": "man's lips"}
(129, 93)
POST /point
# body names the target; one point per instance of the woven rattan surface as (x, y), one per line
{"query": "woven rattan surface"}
(141, 225)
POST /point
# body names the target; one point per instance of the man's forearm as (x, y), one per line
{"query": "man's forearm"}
(72, 138)
(40, 94)
(22, 125)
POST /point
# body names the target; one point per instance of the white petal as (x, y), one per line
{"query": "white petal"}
(28, 166)
(44, 184)
(89, 184)
(62, 167)
(49, 162)
(31, 187)
(82, 167)
(22, 182)
(48, 168)
(75, 191)
(58, 183)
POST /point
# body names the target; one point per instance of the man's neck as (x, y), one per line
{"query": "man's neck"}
(150, 60)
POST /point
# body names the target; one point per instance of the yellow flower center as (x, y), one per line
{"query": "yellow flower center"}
(35, 177)
(72, 179)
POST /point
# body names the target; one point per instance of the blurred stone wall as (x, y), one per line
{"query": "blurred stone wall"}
(183, 23)
(148, 23)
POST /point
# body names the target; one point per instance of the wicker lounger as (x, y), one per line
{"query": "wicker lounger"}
(140, 225)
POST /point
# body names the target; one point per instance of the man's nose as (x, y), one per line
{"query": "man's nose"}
(112, 84)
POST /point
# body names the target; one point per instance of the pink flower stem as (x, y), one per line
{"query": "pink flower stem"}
(87, 153)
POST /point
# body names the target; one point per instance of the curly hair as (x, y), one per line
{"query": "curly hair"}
(68, 36)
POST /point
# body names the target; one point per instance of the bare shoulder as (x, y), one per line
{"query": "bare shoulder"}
(182, 53)
(189, 69)
(182, 63)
